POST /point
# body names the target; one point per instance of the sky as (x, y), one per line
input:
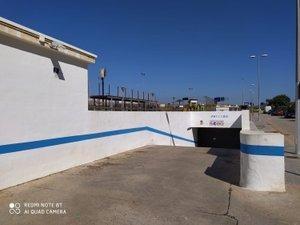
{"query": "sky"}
(190, 48)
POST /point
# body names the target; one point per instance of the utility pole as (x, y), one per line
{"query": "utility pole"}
(173, 103)
(258, 58)
(243, 97)
(102, 76)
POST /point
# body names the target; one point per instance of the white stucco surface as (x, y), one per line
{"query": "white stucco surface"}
(262, 173)
(224, 119)
(38, 105)
(262, 167)
(262, 138)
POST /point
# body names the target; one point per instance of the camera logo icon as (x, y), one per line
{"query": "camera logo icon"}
(14, 208)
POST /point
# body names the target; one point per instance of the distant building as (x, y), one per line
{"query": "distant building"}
(227, 107)
(193, 101)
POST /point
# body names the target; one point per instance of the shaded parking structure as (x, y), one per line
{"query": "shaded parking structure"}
(155, 185)
(217, 137)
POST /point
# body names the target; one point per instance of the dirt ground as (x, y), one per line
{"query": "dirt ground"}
(278, 124)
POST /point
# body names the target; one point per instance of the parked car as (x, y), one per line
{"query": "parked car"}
(289, 114)
(277, 112)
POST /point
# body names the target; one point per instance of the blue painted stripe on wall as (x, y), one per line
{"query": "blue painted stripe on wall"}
(262, 150)
(76, 138)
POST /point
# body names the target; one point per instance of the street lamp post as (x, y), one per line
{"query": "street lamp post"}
(190, 92)
(243, 100)
(102, 75)
(173, 102)
(143, 81)
(258, 70)
(123, 89)
(251, 94)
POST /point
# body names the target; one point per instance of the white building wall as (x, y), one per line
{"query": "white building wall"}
(33, 97)
(40, 110)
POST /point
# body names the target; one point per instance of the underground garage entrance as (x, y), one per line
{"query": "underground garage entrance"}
(217, 137)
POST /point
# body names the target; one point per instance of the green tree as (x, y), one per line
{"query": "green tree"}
(291, 107)
(279, 101)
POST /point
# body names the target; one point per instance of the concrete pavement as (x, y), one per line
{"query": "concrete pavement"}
(153, 185)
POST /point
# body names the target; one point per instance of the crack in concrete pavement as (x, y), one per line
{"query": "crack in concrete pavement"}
(226, 214)
(228, 207)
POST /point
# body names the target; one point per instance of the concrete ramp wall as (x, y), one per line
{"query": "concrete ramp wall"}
(262, 161)
(32, 150)
(46, 126)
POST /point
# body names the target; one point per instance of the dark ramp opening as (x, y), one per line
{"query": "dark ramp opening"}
(217, 137)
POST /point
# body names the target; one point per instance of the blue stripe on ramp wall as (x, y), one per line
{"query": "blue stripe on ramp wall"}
(16, 147)
(262, 150)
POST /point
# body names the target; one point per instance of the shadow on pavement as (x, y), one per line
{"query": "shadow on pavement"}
(226, 166)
